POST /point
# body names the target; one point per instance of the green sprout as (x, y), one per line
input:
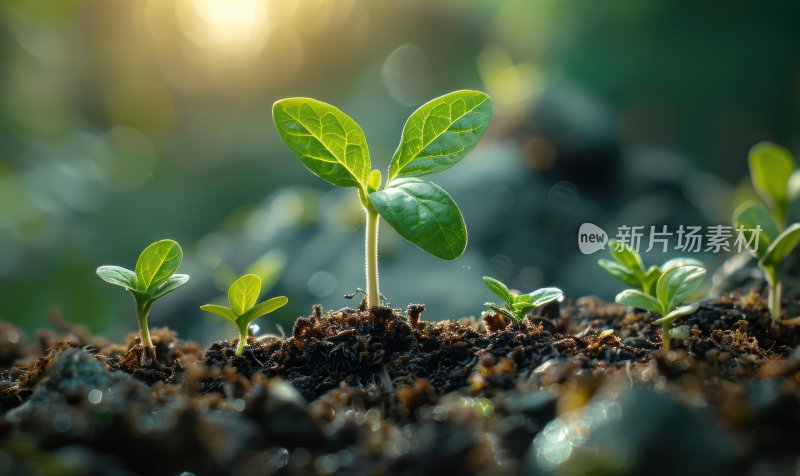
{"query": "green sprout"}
(242, 297)
(628, 267)
(435, 137)
(775, 177)
(516, 306)
(673, 287)
(153, 278)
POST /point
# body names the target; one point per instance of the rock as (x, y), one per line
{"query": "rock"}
(632, 432)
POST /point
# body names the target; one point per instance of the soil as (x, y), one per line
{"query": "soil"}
(580, 389)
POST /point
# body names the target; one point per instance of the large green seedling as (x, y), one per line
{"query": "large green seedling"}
(627, 267)
(516, 306)
(776, 179)
(242, 297)
(435, 137)
(153, 278)
(673, 287)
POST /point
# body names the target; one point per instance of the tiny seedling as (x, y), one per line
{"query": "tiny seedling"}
(628, 267)
(673, 287)
(242, 297)
(776, 179)
(153, 278)
(516, 306)
(435, 137)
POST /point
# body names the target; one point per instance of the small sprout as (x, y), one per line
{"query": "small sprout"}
(775, 178)
(673, 287)
(516, 306)
(153, 278)
(331, 145)
(628, 268)
(242, 297)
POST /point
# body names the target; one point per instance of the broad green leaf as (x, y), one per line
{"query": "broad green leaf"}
(220, 311)
(424, 214)
(172, 283)
(679, 312)
(157, 263)
(119, 276)
(620, 272)
(243, 293)
(263, 308)
(770, 168)
(440, 133)
(545, 296)
(636, 298)
(677, 285)
(498, 288)
(782, 246)
(326, 140)
(751, 215)
(626, 256)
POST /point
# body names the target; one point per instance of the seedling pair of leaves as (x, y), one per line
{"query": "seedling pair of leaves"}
(775, 177)
(628, 267)
(674, 286)
(153, 278)
(243, 310)
(516, 306)
(330, 144)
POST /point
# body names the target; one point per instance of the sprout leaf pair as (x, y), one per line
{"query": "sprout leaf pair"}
(331, 145)
(673, 287)
(516, 306)
(627, 267)
(242, 297)
(154, 277)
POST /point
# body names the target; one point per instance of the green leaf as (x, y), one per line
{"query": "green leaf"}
(374, 180)
(636, 298)
(119, 276)
(501, 310)
(424, 214)
(243, 293)
(172, 283)
(157, 263)
(544, 296)
(499, 288)
(263, 308)
(440, 133)
(677, 285)
(752, 214)
(520, 309)
(326, 140)
(220, 311)
(770, 168)
(782, 246)
(680, 311)
(620, 272)
(626, 256)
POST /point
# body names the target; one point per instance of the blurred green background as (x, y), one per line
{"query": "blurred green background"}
(126, 121)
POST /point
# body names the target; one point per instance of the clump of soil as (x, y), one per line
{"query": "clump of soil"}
(386, 391)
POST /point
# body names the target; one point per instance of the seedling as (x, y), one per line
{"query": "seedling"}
(628, 267)
(435, 137)
(673, 287)
(153, 278)
(775, 178)
(242, 297)
(516, 306)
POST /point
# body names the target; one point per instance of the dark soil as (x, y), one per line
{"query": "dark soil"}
(584, 389)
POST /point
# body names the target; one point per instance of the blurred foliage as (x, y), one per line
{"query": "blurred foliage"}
(129, 121)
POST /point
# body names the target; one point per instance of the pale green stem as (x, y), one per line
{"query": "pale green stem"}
(774, 297)
(666, 337)
(142, 311)
(371, 258)
(242, 340)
